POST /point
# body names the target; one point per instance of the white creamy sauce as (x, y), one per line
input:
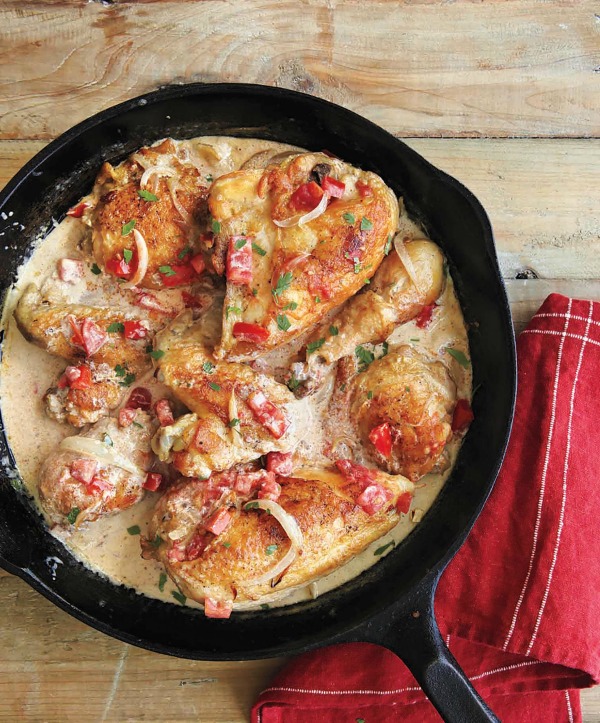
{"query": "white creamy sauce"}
(106, 546)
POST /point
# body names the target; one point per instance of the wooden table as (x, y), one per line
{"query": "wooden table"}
(503, 95)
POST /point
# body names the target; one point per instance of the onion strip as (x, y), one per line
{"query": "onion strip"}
(155, 170)
(291, 529)
(142, 260)
(174, 186)
(406, 260)
(317, 211)
(98, 450)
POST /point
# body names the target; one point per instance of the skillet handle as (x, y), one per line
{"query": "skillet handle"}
(412, 633)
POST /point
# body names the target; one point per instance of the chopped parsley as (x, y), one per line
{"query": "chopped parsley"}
(365, 224)
(127, 255)
(367, 281)
(127, 228)
(179, 596)
(184, 252)
(270, 549)
(459, 356)
(128, 380)
(115, 328)
(364, 356)
(265, 606)
(120, 370)
(126, 377)
(240, 243)
(146, 195)
(360, 720)
(357, 265)
(232, 310)
(283, 322)
(333, 330)
(73, 515)
(388, 244)
(383, 548)
(385, 347)
(314, 345)
(107, 440)
(95, 269)
(216, 226)
(414, 338)
(254, 292)
(251, 506)
(166, 270)
(137, 424)
(209, 178)
(134, 530)
(369, 394)
(293, 383)
(214, 387)
(235, 422)
(291, 306)
(161, 581)
(259, 249)
(157, 353)
(317, 299)
(208, 367)
(348, 218)
(156, 542)
(227, 544)
(283, 283)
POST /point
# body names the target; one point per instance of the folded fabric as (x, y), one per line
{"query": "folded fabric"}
(519, 605)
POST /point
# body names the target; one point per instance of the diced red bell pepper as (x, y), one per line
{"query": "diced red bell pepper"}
(83, 470)
(83, 380)
(217, 608)
(306, 197)
(269, 415)
(98, 484)
(134, 330)
(269, 490)
(381, 437)
(198, 264)
(149, 301)
(88, 335)
(253, 333)
(463, 415)
(424, 317)
(178, 275)
(164, 412)
(403, 503)
(364, 190)
(374, 498)
(354, 472)
(77, 211)
(333, 187)
(127, 416)
(197, 544)
(140, 398)
(153, 481)
(245, 482)
(280, 463)
(117, 266)
(70, 270)
(177, 553)
(220, 521)
(239, 260)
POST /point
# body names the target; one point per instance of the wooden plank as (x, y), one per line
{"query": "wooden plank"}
(541, 196)
(504, 68)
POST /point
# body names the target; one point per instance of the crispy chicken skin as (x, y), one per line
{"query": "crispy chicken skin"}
(170, 232)
(216, 392)
(392, 299)
(415, 397)
(302, 271)
(109, 488)
(323, 502)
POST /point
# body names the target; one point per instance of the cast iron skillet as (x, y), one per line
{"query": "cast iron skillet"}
(390, 604)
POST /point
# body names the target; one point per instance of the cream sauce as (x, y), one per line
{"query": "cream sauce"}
(106, 546)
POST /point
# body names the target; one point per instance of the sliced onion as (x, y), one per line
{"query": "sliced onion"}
(289, 265)
(155, 170)
(174, 186)
(291, 529)
(297, 220)
(142, 257)
(98, 450)
(406, 260)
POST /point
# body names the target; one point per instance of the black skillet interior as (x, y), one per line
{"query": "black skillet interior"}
(63, 171)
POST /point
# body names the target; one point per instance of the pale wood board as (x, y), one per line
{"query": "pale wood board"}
(421, 68)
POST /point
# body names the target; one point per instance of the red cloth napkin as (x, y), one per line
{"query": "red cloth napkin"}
(519, 605)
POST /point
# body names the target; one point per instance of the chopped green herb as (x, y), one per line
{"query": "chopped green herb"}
(216, 226)
(235, 422)
(227, 544)
(208, 367)
(259, 249)
(317, 299)
(184, 252)
(127, 255)
(270, 549)
(161, 581)
(365, 357)
(137, 424)
(134, 530)
(128, 379)
(127, 228)
(166, 270)
(314, 345)
(115, 328)
(293, 383)
(214, 387)
(107, 440)
(148, 348)
(348, 218)
(156, 542)
(283, 322)
(369, 394)
(179, 596)
(120, 370)
(459, 356)
(73, 515)
(146, 195)
(232, 310)
(265, 606)
(209, 178)
(414, 338)
(254, 292)
(333, 330)
(388, 244)
(383, 548)
(240, 243)
(343, 388)
(251, 506)
(291, 306)
(367, 281)
(283, 283)
(407, 389)
(385, 347)
(365, 224)
(95, 269)
(360, 720)
(157, 353)
(357, 265)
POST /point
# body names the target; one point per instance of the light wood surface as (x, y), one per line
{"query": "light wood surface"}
(504, 95)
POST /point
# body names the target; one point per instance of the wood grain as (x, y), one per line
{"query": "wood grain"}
(422, 68)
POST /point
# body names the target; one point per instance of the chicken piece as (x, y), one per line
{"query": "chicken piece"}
(159, 195)
(98, 472)
(71, 331)
(393, 298)
(225, 551)
(283, 279)
(401, 407)
(237, 413)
